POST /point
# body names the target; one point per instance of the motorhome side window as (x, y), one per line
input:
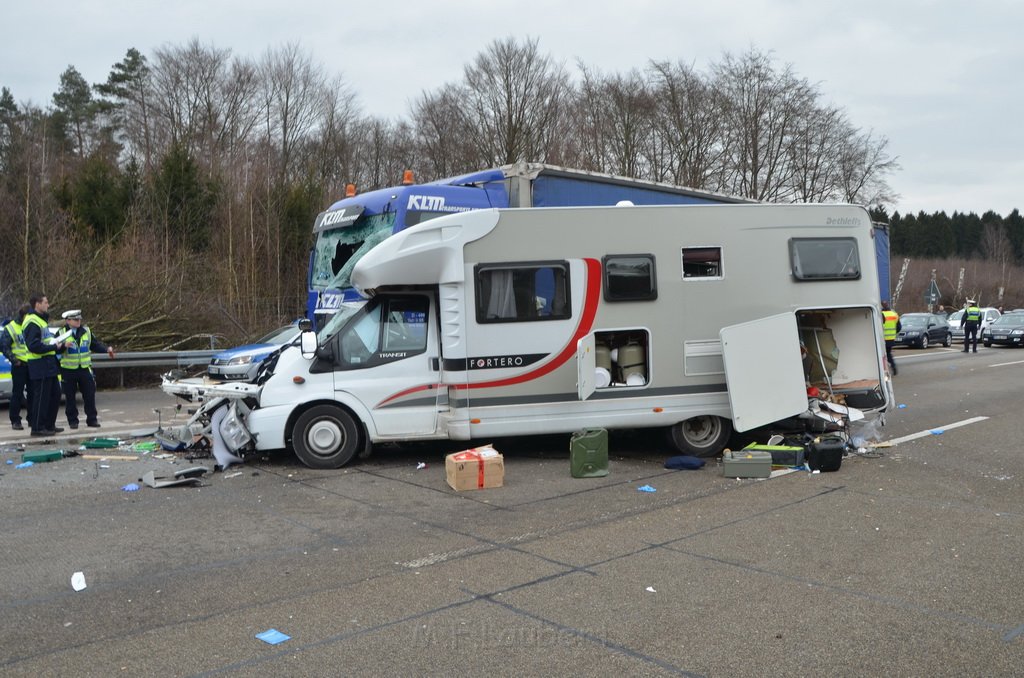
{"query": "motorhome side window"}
(629, 277)
(522, 292)
(702, 263)
(391, 328)
(824, 258)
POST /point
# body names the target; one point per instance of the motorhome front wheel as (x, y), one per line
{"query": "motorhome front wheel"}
(325, 437)
(703, 436)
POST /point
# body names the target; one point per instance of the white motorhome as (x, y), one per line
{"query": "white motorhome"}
(698, 319)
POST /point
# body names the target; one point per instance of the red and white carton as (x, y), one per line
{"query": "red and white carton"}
(476, 469)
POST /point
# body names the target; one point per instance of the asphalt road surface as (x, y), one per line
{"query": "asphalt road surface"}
(907, 563)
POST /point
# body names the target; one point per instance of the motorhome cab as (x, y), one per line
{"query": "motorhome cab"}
(697, 319)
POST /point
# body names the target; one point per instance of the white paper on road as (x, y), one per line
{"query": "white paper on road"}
(78, 581)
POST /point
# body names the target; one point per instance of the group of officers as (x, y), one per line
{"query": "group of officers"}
(970, 321)
(43, 364)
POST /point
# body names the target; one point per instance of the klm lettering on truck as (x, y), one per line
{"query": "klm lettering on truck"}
(335, 218)
(329, 301)
(433, 203)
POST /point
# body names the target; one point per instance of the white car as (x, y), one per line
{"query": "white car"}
(988, 316)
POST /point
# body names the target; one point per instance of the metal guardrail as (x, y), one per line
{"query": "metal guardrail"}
(133, 359)
(130, 359)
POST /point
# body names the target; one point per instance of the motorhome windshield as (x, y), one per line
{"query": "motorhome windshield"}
(337, 250)
(338, 320)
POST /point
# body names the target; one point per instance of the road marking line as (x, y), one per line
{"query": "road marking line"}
(1015, 362)
(922, 434)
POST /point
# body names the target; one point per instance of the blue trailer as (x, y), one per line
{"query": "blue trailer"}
(354, 225)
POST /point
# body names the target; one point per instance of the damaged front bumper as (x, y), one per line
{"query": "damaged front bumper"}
(219, 421)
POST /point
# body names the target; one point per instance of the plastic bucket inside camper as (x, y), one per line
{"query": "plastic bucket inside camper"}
(632, 363)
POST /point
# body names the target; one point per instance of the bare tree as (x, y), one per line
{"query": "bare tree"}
(763, 108)
(865, 164)
(691, 123)
(816, 152)
(444, 134)
(614, 118)
(294, 92)
(514, 99)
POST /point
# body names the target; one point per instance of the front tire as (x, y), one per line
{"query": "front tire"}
(924, 341)
(948, 341)
(325, 437)
(703, 436)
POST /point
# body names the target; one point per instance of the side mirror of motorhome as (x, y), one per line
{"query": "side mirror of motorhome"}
(307, 344)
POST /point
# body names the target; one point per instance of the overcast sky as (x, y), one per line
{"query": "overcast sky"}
(940, 79)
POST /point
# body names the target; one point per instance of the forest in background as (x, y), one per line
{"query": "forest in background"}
(175, 200)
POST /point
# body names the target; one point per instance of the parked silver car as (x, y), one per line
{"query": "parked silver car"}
(988, 316)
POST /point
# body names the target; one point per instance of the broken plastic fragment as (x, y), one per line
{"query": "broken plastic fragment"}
(936, 431)
(650, 589)
(272, 636)
(901, 406)
(78, 581)
(131, 487)
(187, 476)
(421, 465)
(25, 464)
(646, 488)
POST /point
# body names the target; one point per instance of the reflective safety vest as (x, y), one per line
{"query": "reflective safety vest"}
(78, 356)
(33, 319)
(889, 320)
(973, 314)
(18, 348)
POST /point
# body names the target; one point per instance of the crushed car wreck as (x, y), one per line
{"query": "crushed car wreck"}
(700, 320)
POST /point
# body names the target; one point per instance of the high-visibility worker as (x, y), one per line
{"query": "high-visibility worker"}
(971, 322)
(890, 328)
(42, 367)
(12, 342)
(76, 369)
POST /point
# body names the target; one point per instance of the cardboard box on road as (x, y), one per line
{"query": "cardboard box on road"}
(475, 469)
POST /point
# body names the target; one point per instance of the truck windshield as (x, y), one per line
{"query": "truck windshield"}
(336, 251)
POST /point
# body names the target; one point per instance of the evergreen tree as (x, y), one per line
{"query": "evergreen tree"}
(77, 109)
(96, 199)
(184, 200)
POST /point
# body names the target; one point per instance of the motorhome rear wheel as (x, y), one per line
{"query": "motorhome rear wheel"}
(703, 436)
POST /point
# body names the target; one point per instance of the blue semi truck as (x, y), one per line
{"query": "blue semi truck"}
(353, 225)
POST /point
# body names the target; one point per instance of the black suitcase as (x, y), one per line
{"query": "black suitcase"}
(826, 455)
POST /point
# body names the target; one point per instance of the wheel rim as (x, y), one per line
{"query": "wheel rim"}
(924, 341)
(701, 431)
(325, 437)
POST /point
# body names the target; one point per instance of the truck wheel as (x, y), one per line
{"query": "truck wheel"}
(948, 341)
(325, 437)
(703, 436)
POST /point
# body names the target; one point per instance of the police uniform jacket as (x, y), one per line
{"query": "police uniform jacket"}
(35, 336)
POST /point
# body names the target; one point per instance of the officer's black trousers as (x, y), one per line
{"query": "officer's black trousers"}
(79, 380)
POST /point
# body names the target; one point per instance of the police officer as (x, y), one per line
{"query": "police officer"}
(76, 368)
(12, 341)
(890, 328)
(971, 322)
(42, 367)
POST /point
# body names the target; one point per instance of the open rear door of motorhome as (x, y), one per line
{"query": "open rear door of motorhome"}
(586, 366)
(763, 370)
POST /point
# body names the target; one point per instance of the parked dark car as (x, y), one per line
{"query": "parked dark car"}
(922, 330)
(1008, 330)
